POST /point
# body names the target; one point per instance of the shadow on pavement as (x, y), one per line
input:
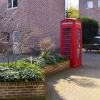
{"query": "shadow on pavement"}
(86, 72)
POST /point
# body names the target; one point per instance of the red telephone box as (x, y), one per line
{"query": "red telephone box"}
(71, 41)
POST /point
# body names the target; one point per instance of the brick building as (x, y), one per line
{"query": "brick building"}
(90, 8)
(31, 20)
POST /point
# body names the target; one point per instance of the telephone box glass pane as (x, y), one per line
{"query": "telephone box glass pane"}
(78, 43)
(67, 41)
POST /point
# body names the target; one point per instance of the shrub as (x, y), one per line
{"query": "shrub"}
(46, 45)
(20, 71)
(39, 61)
(60, 58)
(90, 29)
(46, 58)
(23, 70)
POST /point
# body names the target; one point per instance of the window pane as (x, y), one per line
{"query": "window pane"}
(14, 3)
(89, 4)
(9, 3)
(98, 3)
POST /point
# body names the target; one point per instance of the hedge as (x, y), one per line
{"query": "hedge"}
(90, 29)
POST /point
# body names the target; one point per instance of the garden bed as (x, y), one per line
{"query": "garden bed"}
(21, 80)
(24, 79)
(22, 90)
(49, 69)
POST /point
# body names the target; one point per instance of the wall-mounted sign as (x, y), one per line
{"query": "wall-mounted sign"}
(16, 36)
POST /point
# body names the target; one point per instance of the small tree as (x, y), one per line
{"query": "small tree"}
(90, 29)
(72, 13)
(5, 37)
(46, 45)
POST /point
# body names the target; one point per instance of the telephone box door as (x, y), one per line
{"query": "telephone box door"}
(71, 41)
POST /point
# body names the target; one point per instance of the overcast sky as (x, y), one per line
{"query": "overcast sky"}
(73, 3)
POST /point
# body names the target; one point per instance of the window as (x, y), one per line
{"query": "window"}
(98, 3)
(12, 4)
(89, 4)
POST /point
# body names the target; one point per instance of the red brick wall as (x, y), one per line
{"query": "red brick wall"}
(49, 69)
(35, 18)
(15, 90)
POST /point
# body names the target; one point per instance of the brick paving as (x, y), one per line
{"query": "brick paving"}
(77, 84)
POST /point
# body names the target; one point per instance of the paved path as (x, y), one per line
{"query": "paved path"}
(77, 84)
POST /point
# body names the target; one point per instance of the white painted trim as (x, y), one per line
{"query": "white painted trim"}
(12, 8)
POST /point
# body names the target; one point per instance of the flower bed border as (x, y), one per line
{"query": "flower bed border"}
(21, 90)
(31, 89)
(49, 69)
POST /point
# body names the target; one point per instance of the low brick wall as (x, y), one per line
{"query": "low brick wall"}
(22, 90)
(56, 68)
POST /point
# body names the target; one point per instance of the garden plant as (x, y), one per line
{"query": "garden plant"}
(29, 73)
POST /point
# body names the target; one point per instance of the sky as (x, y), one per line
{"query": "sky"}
(72, 3)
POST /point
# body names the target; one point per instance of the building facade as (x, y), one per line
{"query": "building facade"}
(30, 21)
(90, 8)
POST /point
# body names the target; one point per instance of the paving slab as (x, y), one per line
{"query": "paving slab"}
(77, 84)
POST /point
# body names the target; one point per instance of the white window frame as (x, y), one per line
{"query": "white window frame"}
(89, 4)
(98, 3)
(12, 5)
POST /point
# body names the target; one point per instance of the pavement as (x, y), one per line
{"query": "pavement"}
(77, 84)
